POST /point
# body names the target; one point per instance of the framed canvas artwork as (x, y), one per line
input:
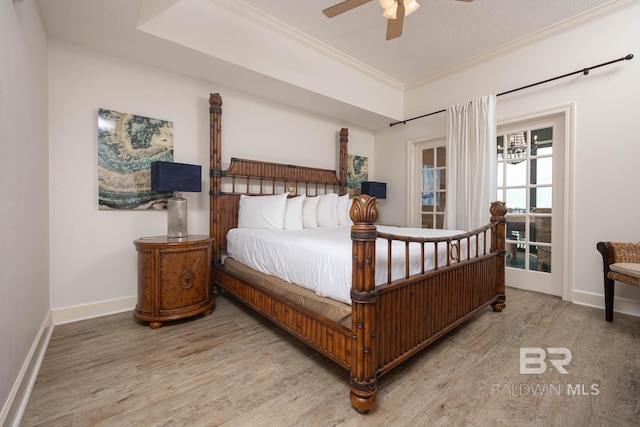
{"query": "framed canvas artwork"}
(127, 144)
(357, 172)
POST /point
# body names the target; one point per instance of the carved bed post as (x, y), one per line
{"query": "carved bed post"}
(344, 142)
(363, 304)
(215, 169)
(498, 211)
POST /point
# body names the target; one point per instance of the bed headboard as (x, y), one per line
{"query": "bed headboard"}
(255, 177)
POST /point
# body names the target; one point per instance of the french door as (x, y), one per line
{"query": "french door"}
(533, 162)
(531, 181)
(427, 183)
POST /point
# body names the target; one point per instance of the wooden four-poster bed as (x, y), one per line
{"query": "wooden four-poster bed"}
(385, 323)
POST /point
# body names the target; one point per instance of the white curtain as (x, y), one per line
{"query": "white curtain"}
(471, 163)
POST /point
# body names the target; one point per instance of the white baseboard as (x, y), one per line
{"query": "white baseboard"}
(620, 305)
(89, 311)
(15, 405)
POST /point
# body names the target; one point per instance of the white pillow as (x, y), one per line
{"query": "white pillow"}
(293, 213)
(328, 210)
(262, 211)
(344, 206)
(310, 212)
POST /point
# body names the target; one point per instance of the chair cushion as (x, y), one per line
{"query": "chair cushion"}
(628, 268)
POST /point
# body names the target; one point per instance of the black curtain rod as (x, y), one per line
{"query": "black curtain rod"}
(584, 71)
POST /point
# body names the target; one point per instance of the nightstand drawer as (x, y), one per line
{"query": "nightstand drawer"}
(184, 280)
(174, 278)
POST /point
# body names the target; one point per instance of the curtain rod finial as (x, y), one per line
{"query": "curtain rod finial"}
(629, 57)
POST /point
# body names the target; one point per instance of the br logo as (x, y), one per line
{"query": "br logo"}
(532, 359)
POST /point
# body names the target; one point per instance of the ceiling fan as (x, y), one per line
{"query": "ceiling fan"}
(394, 11)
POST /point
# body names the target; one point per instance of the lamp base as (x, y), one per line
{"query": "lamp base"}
(176, 216)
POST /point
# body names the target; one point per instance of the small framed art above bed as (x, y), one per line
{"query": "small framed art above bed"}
(291, 245)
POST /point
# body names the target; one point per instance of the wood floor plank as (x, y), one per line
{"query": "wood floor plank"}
(235, 368)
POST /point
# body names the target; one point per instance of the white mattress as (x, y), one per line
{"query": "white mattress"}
(320, 259)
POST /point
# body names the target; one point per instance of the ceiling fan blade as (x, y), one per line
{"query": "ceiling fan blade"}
(343, 7)
(394, 26)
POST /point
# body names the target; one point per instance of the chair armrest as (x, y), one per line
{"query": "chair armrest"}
(625, 252)
(606, 250)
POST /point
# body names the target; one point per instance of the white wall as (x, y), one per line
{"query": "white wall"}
(606, 173)
(24, 246)
(93, 260)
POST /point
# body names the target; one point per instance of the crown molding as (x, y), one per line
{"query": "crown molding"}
(249, 12)
(547, 32)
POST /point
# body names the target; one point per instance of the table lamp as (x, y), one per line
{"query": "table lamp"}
(176, 177)
(374, 189)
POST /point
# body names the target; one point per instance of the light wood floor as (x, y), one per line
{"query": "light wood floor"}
(235, 368)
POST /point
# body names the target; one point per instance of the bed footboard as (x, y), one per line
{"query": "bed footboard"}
(392, 322)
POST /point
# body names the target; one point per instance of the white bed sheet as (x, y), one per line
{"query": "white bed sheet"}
(320, 259)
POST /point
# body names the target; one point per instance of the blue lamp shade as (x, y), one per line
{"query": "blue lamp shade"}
(170, 176)
(176, 177)
(374, 189)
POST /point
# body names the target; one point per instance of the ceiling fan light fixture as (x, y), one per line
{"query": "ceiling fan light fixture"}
(390, 13)
(391, 8)
(410, 7)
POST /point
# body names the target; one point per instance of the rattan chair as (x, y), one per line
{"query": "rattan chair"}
(622, 264)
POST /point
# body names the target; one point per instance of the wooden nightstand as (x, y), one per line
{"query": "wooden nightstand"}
(174, 278)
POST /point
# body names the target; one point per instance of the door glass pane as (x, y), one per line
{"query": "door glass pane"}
(428, 158)
(428, 178)
(540, 197)
(442, 157)
(441, 179)
(516, 174)
(500, 180)
(541, 170)
(542, 142)
(516, 199)
(541, 258)
(516, 227)
(441, 201)
(540, 230)
(515, 256)
(427, 201)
